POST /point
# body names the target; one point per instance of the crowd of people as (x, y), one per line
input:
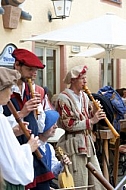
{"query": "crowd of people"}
(71, 110)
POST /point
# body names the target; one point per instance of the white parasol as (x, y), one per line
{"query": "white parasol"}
(107, 32)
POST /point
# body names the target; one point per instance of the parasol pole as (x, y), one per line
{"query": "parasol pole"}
(107, 60)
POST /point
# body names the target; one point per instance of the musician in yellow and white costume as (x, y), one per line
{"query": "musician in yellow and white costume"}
(16, 161)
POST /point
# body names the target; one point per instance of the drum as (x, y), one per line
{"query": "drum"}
(14, 3)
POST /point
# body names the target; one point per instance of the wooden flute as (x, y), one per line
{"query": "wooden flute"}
(32, 94)
(99, 176)
(115, 133)
(22, 126)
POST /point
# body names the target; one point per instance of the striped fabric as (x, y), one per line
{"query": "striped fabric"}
(10, 186)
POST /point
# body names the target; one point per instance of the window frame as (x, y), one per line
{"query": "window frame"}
(56, 65)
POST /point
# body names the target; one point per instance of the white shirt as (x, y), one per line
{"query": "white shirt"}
(16, 161)
(77, 98)
(41, 117)
(56, 166)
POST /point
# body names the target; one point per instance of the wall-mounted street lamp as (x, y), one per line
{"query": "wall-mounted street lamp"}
(62, 9)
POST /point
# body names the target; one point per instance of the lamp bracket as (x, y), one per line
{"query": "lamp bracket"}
(50, 18)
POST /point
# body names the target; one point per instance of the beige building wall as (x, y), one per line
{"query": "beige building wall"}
(80, 11)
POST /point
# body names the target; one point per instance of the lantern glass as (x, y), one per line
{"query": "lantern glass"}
(62, 7)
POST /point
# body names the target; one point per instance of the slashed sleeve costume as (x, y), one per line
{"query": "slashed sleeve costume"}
(75, 118)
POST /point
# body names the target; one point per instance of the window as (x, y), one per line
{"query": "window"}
(48, 75)
(51, 70)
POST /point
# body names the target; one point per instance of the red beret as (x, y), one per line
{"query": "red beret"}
(27, 58)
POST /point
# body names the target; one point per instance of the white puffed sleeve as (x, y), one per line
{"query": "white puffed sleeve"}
(16, 160)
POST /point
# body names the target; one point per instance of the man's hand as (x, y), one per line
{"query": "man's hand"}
(100, 114)
(66, 160)
(18, 131)
(38, 96)
(94, 107)
(34, 142)
(29, 106)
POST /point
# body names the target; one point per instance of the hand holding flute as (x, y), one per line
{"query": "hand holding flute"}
(34, 94)
(98, 108)
(26, 132)
(30, 105)
(99, 114)
(33, 141)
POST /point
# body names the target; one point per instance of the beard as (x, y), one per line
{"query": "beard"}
(23, 79)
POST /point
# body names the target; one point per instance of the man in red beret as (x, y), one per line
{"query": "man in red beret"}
(13, 166)
(27, 58)
(27, 64)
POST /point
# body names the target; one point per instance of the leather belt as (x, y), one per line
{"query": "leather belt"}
(74, 132)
